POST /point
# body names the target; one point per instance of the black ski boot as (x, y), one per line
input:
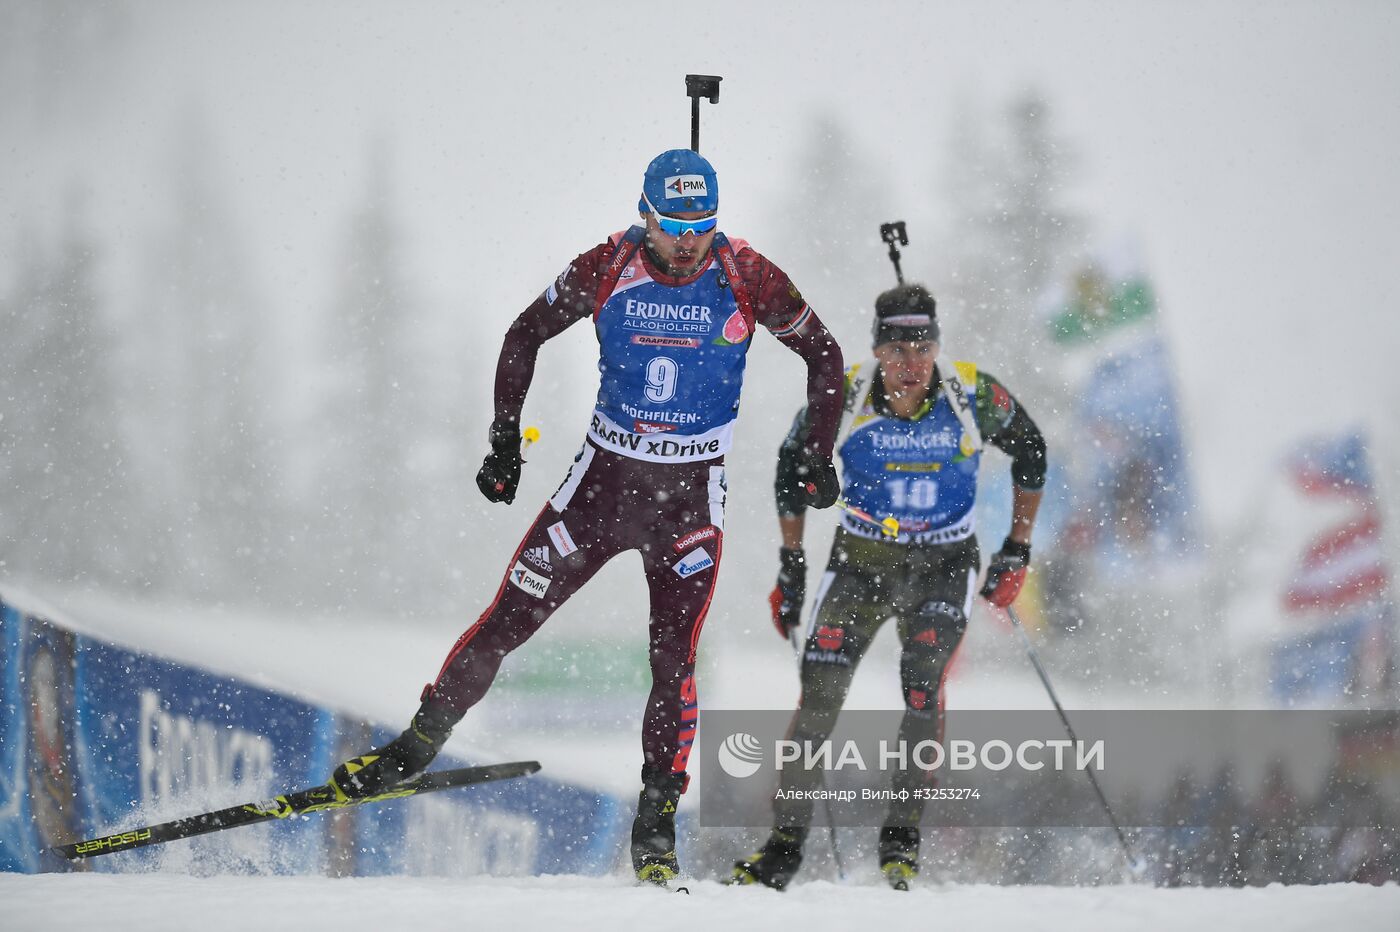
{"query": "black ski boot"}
(654, 829)
(899, 855)
(774, 864)
(404, 757)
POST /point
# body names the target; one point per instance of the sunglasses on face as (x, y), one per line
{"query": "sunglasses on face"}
(673, 226)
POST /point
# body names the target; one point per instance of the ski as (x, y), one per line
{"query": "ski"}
(302, 802)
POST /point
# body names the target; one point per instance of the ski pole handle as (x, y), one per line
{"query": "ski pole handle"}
(889, 527)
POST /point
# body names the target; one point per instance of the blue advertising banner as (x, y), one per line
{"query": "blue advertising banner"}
(95, 738)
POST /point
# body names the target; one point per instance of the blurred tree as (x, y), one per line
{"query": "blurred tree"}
(53, 57)
(203, 346)
(831, 220)
(63, 483)
(1011, 236)
(370, 420)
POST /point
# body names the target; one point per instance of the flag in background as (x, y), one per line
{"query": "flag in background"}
(1344, 564)
(1337, 633)
(1333, 466)
(1130, 489)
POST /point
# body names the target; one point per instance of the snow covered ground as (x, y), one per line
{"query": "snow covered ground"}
(213, 904)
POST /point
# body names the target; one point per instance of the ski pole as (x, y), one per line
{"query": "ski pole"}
(697, 86)
(889, 527)
(796, 642)
(1135, 864)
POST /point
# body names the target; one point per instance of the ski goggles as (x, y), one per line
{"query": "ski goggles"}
(674, 226)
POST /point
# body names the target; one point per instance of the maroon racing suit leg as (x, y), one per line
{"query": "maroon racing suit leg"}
(673, 513)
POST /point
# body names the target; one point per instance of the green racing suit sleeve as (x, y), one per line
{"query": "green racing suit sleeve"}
(1006, 425)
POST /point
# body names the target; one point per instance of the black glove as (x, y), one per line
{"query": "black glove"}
(786, 597)
(499, 475)
(1006, 573)
(817, 476)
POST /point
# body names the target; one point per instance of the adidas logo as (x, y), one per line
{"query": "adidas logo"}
(539, 556)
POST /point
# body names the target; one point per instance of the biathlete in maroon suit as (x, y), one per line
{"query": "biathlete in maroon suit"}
(674, 304)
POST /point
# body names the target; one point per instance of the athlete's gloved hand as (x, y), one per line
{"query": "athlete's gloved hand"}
(499, 475)
(1006, 573)
(786, 597)
(817, 476)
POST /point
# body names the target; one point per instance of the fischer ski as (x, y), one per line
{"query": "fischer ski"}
(302, 802)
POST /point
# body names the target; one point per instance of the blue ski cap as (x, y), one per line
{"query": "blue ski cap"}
(679, 180)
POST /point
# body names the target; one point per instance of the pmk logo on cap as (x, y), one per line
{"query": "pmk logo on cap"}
(686, 186)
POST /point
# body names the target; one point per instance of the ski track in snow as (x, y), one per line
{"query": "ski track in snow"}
(158, 902)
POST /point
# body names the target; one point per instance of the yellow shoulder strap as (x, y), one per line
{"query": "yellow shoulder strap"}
(960, 388)
(967, 371)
